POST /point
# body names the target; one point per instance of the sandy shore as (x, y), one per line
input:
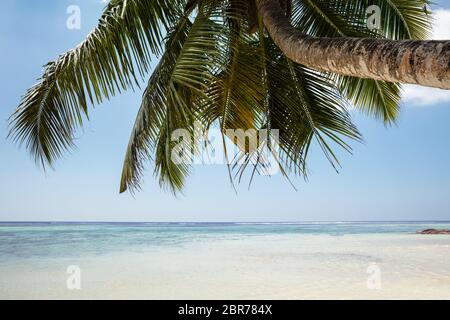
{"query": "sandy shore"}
(257, 267)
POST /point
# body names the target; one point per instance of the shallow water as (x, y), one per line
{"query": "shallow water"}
(225, 260)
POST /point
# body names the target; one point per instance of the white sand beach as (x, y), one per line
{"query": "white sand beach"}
(271, 266)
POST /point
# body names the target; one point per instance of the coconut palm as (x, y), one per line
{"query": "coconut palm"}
(291, 65)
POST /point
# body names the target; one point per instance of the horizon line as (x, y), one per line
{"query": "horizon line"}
(217, 222)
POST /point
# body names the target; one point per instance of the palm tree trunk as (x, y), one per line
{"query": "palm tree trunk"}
(408, 61)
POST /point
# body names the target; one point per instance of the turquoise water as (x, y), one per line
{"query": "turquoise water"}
(20, 240)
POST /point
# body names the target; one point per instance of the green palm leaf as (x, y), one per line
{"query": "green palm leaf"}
(305, 106)
(111, 58)
(181, 77)
(401, 19)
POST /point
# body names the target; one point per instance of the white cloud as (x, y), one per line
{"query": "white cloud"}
(441, 30)
(423, 96)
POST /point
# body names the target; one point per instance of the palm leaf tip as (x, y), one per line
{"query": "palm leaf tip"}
(45, 132)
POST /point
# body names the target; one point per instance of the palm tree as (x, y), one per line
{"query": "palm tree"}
(291, 65)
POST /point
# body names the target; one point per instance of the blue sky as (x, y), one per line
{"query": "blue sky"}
(399, 173)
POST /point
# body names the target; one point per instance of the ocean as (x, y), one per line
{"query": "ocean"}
(285, 260)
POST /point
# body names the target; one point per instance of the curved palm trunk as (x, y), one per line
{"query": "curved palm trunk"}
(408, 61)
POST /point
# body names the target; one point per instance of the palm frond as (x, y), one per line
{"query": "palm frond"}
(400, 19)
(112, 58)
(213, 71)
(404, 19)
(305, 106)
(181, 77)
